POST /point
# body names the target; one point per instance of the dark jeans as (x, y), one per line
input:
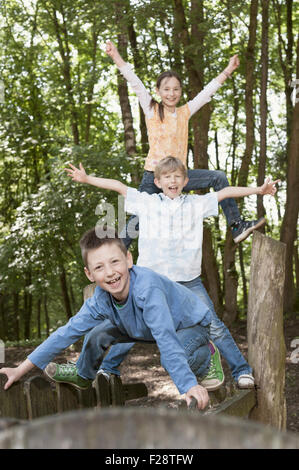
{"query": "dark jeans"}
(198, 179)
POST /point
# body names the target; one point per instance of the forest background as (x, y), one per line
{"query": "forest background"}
(62, 100)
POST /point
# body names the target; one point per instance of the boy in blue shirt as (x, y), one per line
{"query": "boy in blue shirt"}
(130, 303)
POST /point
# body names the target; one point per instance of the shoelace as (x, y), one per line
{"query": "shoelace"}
(67, 369)
(212, 371)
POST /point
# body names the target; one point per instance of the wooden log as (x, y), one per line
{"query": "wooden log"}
(102, 389)
(239, 405)
(266, 345)
(116, 390)
(133, 391)
(12, 401)
(144, 428)
(40, 396)
(71, 398)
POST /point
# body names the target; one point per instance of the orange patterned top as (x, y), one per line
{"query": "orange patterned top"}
(169, 137)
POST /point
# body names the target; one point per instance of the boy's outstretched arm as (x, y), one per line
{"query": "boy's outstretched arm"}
(112, 51)
(79, 175)
(269, 187)
(15, 373)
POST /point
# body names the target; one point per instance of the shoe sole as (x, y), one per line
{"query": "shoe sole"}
(65, 382)
(247, 232)
(215, 387)
(248, 387)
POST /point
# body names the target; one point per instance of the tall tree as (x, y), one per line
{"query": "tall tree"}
(263, 107)
(290, 220)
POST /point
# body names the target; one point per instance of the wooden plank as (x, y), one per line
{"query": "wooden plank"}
(12, 401)
(133, 391)
(239, 405)
(102, 389)
(67, 397)
(266, 345)
(116, 390)
(40, 396)
(87, 398)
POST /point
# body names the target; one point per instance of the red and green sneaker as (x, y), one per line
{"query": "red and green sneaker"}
(67, 373)
(215, 377)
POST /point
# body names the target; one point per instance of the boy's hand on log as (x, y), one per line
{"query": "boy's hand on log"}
(200, 394)
(12, 374)
(269, 187)
(77, 174)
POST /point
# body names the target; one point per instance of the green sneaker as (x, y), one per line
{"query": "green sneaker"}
(215, 377)
(67, 373)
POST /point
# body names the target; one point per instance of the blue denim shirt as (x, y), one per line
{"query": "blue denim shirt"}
(156, 307)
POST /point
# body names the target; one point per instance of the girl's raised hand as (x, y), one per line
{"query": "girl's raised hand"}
(233, 64)
(111, 50)
(77, 174)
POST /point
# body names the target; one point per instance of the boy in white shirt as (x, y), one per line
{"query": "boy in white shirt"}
(170, 243)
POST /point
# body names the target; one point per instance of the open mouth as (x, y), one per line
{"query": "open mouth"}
(114, 282)
(173, 189)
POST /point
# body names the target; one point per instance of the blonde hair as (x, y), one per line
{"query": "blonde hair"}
(169, 165)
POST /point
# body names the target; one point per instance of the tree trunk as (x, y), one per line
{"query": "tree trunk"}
(38, 317)
(264, 109)
(230, 276)
(16, 316)
(200, 122)
(93, 79)
(47, 318)
(62, 39)
(27, 307)
(249, 107)
(266, 346)
(288, 232)
(137, 65)
(64, 291)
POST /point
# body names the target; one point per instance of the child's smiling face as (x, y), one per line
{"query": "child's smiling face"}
(109, 267)
(170, 92)
(172, 183)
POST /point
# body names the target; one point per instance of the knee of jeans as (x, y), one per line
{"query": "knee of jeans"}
(97, 339)
(221, 176)
(217, 330)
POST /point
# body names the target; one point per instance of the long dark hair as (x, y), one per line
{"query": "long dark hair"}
(167, 74)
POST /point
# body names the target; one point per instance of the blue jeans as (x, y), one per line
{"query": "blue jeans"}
(198, 179)
(219, 334)
(194, 340)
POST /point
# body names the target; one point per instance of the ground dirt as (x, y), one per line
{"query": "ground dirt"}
(143, 365)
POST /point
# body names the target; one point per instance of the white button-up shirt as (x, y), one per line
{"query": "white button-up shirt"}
(170, 231)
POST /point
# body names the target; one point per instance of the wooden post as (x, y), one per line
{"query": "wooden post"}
(266, 346)
(12, 401)
(41, 399)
